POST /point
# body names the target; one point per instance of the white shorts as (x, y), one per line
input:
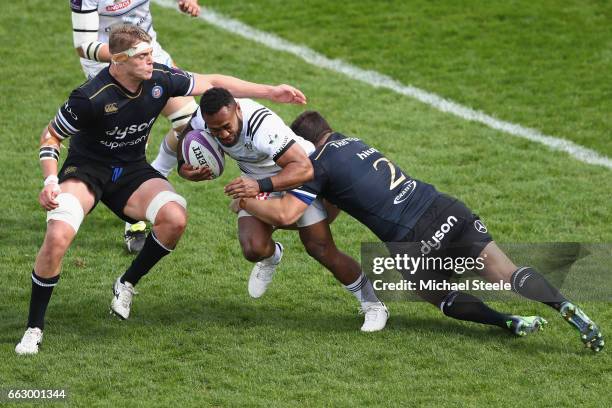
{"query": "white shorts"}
(91, 68)
(314, 213)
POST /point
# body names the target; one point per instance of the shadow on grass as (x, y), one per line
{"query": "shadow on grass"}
(88, 321)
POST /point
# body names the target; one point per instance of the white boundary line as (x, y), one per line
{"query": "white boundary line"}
(382, 81)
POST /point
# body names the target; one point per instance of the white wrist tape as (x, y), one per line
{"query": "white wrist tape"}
(51, 179)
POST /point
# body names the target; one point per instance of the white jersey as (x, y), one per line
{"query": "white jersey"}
(264, 137)
(111, 12)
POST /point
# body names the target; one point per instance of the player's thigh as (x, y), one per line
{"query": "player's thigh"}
(81, 191)
(318, 240)
(139, 201)
(64, 221)
(497, 266)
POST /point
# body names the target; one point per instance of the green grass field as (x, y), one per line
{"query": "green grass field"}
(195, 337)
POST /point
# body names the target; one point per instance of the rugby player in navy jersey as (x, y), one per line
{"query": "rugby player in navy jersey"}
(108, 120)
(397, 208)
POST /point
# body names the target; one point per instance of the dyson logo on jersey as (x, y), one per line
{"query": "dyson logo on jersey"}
(129, 130)
(438, 236)
(409, 188)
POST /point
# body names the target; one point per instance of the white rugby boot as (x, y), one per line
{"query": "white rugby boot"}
(122, 298)
(376, 315)
(262, 274)
(30, 341)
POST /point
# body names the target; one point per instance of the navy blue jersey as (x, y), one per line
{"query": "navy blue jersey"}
(109, 124)
(361, 181)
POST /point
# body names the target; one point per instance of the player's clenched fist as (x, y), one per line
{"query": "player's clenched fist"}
(47, 196)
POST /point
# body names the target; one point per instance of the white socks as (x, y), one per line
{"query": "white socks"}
(276, 257)
(362, 289)
(165, 160)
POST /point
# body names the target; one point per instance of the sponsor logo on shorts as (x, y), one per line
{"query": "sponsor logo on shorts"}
(480, 227)
(118, 6)
(111, 108)
(407, 190)
(157, 91)
(435, 242)
(69, 170)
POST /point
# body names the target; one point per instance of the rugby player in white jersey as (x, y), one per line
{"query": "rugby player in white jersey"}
(272, 159)
(91, 23)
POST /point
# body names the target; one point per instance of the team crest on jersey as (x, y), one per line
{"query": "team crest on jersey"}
(157, 91)
(110, 108)
(118, 5)
(249, 145)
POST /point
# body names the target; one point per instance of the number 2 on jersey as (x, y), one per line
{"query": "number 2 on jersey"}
(394, 182)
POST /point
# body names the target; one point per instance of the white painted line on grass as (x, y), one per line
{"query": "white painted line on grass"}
(382, 81)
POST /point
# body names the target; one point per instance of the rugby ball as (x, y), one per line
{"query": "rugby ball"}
(201, 149)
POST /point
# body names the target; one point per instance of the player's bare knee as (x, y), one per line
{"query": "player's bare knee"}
(56, 243)
(319, 250)
(253, 250)
(172, 217)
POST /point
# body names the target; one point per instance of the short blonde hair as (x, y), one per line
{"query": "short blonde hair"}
(124, 36)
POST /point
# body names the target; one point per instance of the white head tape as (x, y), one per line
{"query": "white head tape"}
(130, 52)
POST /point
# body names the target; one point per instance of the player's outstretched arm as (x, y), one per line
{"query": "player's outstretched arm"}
(280, 212)
(190, 7)
(244, 89)
(85, 24)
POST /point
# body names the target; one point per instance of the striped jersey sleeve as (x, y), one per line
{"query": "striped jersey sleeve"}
(269, 133)
(72, 117)
(181, 82)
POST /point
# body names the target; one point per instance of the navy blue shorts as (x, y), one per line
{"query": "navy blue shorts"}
(113, 185)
